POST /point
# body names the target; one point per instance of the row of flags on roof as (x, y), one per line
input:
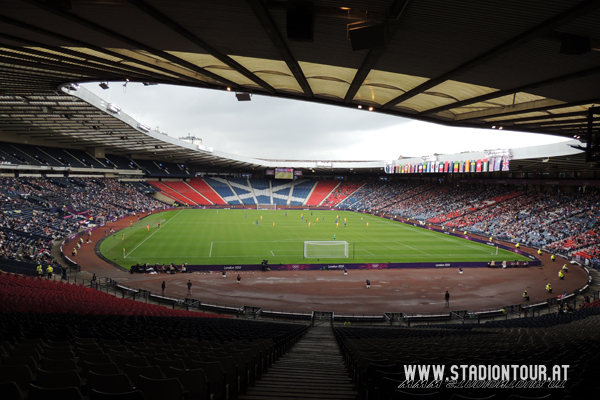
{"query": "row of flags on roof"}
(483, 165)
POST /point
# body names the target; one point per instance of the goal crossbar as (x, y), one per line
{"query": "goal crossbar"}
(266, 206)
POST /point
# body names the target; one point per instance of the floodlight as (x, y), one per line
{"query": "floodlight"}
(73, 86)
(143, 127)
(103, 85)
(113, 108)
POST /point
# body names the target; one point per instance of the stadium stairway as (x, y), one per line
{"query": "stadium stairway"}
(313, 369)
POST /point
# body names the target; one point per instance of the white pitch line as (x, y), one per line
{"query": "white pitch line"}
(272, 253)
(210, 253)
(152, 234)
(443, 237)
(368, 252)
(414, 248)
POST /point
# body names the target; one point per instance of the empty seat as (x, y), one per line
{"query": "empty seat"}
(99, 368)
(160, 389)
(132, 395)
(39, 393)
(215, 377)
(21, 375)
(166, 364)
(109, 383)
(134, 372)
(194, 382)
(60, 379)
(122, 360)
(58, 365)
(11, 391)
(29, 361)
(94, 358)
(59, 355)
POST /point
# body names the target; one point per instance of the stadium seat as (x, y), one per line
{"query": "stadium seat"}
(215, 376)
(21, 375)
(58, 365)
(109, 368)
(55, 380)
(101, 358)
(107, 383)
(166, 364)
(194, 382)
(122, 360)
(160, 389)
(11, 391)
(28, 360)
(134, 372)
(39, 393)
(131, 395)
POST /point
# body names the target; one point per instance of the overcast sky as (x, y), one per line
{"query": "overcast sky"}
(273, 128)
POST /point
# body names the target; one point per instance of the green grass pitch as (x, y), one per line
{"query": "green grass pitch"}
(233, 237)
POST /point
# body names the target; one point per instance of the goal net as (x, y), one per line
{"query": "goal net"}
(326, 249)
(266, 206)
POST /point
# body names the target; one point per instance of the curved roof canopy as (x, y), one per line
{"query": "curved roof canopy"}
(526, 66)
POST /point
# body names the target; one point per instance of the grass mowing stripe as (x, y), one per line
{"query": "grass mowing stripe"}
(230, 237)
(152, 234)
(414, 248)
(448, 239)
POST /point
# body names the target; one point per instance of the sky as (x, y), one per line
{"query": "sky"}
(282, 129)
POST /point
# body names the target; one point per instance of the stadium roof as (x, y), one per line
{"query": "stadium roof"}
(525, 66)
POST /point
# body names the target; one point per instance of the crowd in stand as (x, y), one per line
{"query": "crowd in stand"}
(563, 223)
(560, 222)
(345, 189)
(37, 211)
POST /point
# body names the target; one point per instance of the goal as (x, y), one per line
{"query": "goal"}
(326, 249)
(266, 206)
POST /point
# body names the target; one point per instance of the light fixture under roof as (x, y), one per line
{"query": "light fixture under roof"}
(113, 108)
(243, 96)
(143, 127)
(104, 85)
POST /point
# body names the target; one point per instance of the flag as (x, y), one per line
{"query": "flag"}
(446, 166)
(456, 168)
(478, 166)
(420, 167)
(473, 165)
(467, 166)
(497, 162)
(484, 165)
(461, 167)
(505, 164)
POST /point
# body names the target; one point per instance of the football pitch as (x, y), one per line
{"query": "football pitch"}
(234, 237)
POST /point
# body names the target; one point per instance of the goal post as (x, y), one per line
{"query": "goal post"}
(266, 206)
(326, 249)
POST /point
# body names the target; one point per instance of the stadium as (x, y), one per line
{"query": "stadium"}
(134, 265)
